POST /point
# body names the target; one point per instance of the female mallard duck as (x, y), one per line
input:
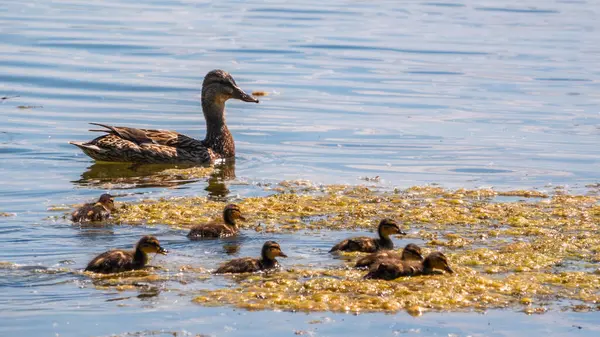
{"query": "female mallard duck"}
(123, 144)
(365, 244)
(116, 261)
(270, 251)
(218, 229)
(391, 269)
(411, 252)
(95, 211)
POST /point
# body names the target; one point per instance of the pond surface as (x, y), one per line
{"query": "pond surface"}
(461, 93)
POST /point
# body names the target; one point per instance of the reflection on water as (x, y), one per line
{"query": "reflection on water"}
(108, 176)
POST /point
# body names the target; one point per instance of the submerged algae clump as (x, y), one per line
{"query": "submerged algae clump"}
(541, 248)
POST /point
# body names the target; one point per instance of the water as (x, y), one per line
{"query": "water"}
(466, 94)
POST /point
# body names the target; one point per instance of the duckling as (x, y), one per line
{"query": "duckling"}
(365, 244)
(144, 146)
(116, 261)
(391, 269)
(217, 229)
(411, 252)
(95, 211)
(269, 252)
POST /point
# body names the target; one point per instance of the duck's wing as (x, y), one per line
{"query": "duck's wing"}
(123, 144)
(145, 136)
(113, 261)
(357, 244)
(241, 265)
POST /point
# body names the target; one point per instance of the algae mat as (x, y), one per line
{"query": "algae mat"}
(517, 249)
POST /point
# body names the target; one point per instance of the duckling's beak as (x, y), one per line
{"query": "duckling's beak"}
(242, 218)
(400, 232)
(238, 93)
(162, 251)
(282, 254)
(449, 270)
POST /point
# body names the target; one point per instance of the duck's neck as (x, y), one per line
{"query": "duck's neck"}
(385, 242)
(229, 220)
(218, 138)
(140, 258)
(426, 267)
(266, 262)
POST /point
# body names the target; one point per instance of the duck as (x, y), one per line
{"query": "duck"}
(411, 252)
(95, 211)
(365, 244)
(219, 229)
(145, 146)
(434, 263)
(267, 261)
(117, 261)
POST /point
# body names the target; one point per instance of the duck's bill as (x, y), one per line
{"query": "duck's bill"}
(282, 254)
(162, 251)
(241, 95)
(449, 270)
(401, 232)
(242, 218)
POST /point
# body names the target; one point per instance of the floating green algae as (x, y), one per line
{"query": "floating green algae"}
(529, 253)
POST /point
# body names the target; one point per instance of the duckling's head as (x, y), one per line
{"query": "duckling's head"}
(231, 213)
(412, 252)
(107, 201)
(149, 244)
(437, 260)
(388, 227)
(271, 250)
(219, 86)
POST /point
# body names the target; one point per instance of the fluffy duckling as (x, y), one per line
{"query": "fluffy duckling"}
(217, 229)
(365, 244)
(116, 261)
(411, 252)
(391, 269)
(95, 211)
(270, 251)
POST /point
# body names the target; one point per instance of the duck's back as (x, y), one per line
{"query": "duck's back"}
(211, 230)
(241, 265)
(90, 212)
(358, 244)
(377, 257)
(113, 261)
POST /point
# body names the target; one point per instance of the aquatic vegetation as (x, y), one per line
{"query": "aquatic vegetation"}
(520, 249)
(6, 214)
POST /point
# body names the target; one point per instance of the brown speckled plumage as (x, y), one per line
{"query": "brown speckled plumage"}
(434, 263)
(269, 252)
(116, 261)
(123, 144)
(219, 229)
(365, 244)
(411, 252)
(95, 211)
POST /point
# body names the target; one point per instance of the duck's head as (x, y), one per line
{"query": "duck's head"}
(388, 227)
(107, 201)
(271, 250)
(437, 260)
(412, 252)
(219, 86)
(149, 244)
(232, 213)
